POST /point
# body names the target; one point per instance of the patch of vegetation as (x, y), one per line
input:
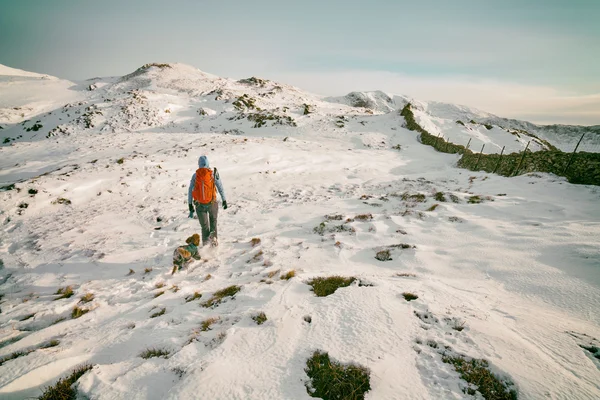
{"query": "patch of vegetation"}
(257, 257)
(475, 200)
(32, 192)
(147, 270)
(159, 313)
(261, 118)
(29, 316)
(323, 227)
(334, 217)
(78, 312)
(364, 217)
(454, 198)
(64, 292)
(159, 285)
(308, 109)
(14, 355)
(86, 298)
(433, 207)
(383, 255)
(255, 242)
(207, 323)
(415, 198)
(288, 275)
(220, 295)
(488, 126)
(439, 196)
(121, 160)
(62, 200)
(331, 380)
(11, 341)
(254, 81)
(154, 352)
(131, 272)
(324, 286)
(52, 343)
(207, 277)
(271, 274)
(6, 140)
(397, 147)
(406, 275)
(159, 294)
(476, 372)
(307, 318)
(259, 318)
(460, 123)
(36, 127)
(244, 102)
(409, 296)
(59, 320)
(62, 390)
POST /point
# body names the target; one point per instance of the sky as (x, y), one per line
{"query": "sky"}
(537, 60)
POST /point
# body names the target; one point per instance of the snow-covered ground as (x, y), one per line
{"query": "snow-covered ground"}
(520, 271)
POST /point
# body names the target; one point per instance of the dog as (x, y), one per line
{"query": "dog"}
(184, 255)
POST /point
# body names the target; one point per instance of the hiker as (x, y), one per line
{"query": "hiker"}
(202, 196)
(183, 255)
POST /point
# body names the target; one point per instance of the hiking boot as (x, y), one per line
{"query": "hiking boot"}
(213, 240)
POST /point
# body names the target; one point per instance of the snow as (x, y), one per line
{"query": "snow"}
(520, 270)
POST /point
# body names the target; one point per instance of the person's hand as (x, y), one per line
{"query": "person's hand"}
(191, 214)
(224, 205)
(191, 208)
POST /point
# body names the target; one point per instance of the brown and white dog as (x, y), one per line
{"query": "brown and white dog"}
(184, 255)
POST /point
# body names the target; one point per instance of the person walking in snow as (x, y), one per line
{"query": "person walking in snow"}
(202, 196)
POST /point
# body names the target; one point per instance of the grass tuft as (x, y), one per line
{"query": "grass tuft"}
(52, 343)
(207, 277)
(475, 200)
(220, 295)
(433, 207)
(159, 313)
(193, 297)
(86, 298)
(364, 217)
(255, 242)
(409, 296)
(207, 323)
(78, 312)
(288, 275)
(159, 285)
(154, 352)
(416, 198)
(476, 372)
(159, 294)
(383, 255)
(259, 318)
(439, 196)
(147, 270)
(271, 274)
(406, 275)
(324, 286)
(331, 380)
(131, 272)
(62, 390)
(65, 293)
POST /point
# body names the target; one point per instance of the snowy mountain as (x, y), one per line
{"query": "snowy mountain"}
(446, 267)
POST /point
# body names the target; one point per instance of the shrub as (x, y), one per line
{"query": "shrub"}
(62, 389)
(409, 296)
(259, 318)
(78, 312)
(65, 293)
(159, 313)
(220, 295)
(475, 200)
(331, 380)
(154, 352)
(288, 275)
(476, 372)
(324, 286)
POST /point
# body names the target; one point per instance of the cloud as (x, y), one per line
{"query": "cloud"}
(539, 104)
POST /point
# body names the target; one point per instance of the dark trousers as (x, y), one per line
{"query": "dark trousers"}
(207, 215)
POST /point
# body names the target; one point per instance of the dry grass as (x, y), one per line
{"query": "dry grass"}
(406, 275)
(78, 312)
(288, 275)
(207, 277)
(222, 294)
(159, 285)
(131, 272)
(154, 352)
(52, 343)
(255, 242)
(159, 294)
(175, 288)
(207, 323)
(193, 297)
(86, 298)
(147, 270)
(65, 293)
(63, 390)
(271, 274)
(364, 217)
(159, 313)
(433, 207)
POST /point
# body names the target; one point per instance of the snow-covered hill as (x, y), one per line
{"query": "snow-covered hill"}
(93, 197)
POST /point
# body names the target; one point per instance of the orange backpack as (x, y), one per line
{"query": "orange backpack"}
(204, 188)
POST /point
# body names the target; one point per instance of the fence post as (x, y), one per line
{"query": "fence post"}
(468, 144)
(573, 154)
(522, 158)
(477, 163)
(499, 161)
(436, 140)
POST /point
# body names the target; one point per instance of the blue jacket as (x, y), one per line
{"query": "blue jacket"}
(203, 163)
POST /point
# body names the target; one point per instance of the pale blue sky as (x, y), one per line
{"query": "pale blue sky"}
(547, 47)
